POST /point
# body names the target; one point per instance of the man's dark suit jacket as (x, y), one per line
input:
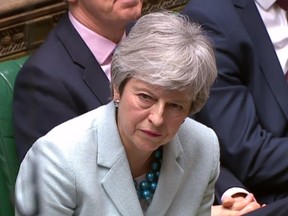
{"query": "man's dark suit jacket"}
(248, 105)
(278, 208)
(60, 81)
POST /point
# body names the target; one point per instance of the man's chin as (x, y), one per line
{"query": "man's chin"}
(129, 3)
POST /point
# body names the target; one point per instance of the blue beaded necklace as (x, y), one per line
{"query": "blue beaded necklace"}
(146, 188)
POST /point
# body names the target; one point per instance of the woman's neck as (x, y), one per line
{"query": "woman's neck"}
(139, 162)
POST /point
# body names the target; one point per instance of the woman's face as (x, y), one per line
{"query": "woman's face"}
(149, 116)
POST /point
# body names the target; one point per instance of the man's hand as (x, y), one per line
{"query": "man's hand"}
(237, 205)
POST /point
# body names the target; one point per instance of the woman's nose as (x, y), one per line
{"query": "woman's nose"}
(156, 115)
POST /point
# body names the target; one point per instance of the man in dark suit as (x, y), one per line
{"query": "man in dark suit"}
(248, 105)
(69, 73)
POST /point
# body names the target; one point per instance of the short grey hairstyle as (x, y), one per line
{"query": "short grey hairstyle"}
(168, 50)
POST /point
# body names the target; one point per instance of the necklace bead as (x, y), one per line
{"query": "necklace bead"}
(146, 188)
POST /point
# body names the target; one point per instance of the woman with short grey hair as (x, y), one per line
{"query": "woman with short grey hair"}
(139, 154)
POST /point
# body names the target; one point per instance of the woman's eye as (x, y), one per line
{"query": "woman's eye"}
(144, 96)
(145, 100)
(176, 107)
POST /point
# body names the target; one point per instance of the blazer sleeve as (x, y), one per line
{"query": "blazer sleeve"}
(225, 181)
(46, 183)
(256, 157)
(279, 208)
(207, 199)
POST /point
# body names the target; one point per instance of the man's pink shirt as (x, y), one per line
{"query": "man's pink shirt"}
(101, 47)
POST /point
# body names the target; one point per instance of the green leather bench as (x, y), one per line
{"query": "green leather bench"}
(8, 159)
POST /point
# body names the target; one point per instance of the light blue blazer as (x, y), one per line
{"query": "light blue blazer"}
(81, 168)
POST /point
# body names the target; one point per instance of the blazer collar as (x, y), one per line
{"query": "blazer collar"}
(268, 60)
(93, 75)
(119, 185)
(171, 175)
(118, 182)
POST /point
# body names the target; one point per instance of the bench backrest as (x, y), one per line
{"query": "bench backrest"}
(9, 163)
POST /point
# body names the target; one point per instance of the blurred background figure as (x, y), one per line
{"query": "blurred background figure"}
(248, 105)
(69, 74)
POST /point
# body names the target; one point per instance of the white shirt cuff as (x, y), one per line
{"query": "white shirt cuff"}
(234, 190)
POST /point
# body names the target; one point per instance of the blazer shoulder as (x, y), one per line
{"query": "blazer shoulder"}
(191, 127)
(80, 124)
(200, 145)
(199, 134)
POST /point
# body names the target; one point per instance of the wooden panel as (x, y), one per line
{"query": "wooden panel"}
(24, 24)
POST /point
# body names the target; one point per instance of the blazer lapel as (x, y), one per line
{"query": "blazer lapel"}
(97, 81)
(93, 74)
(269, 63)
(118, 182)
(119, 186)
(171, 175)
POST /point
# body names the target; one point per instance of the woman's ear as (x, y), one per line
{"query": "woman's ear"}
(116, 94)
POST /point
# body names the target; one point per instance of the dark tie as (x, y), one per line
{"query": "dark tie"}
(283, 4)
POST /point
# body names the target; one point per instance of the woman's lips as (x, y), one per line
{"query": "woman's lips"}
(151, 133)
